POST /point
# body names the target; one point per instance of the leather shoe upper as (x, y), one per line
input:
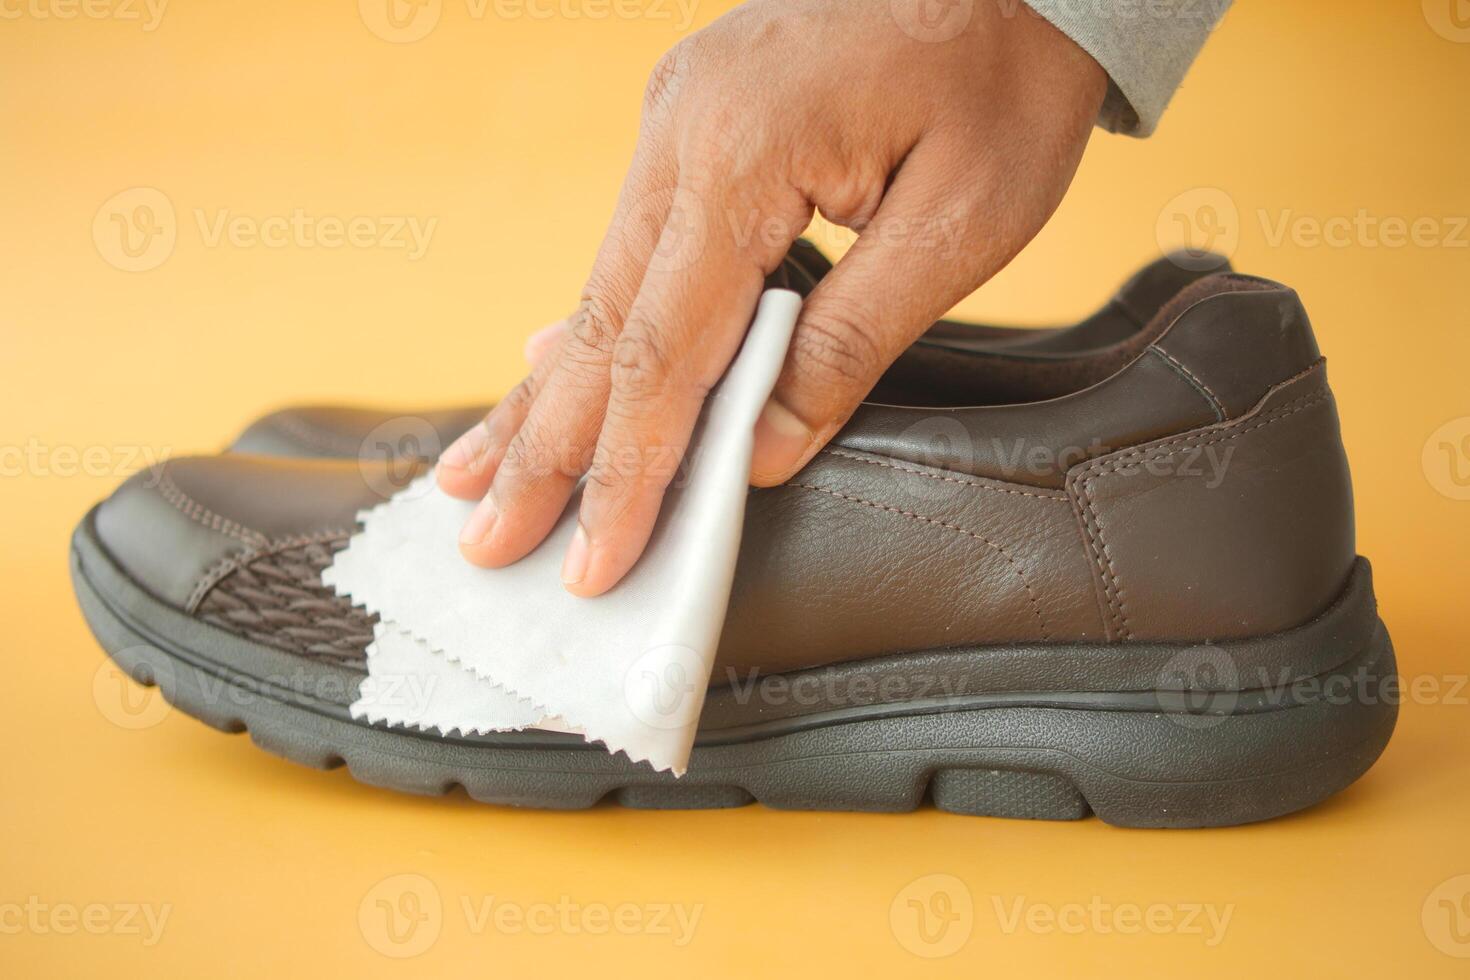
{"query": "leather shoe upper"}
(1187, 483)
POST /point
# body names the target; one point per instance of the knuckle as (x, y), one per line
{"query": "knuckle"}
(632, 470)
(521, 455)
(593, 329)
(847, 194)
(667, 78)
(606, 478)
(532, 454)
(640, 368)
(607, 498)
(833, 349)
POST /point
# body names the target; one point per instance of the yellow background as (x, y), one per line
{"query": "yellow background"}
(512, 132)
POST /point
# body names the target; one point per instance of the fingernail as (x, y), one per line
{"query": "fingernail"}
(481, 522)
(574, 568)
(781, 440)
(467, 449)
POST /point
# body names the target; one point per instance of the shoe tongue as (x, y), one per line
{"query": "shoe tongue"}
(801, 269)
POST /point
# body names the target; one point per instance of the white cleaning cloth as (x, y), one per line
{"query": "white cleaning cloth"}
(477, 650)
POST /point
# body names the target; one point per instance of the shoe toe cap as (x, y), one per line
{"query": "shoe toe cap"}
(175, 527)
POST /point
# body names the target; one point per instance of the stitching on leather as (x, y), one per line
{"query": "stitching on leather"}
(1102, 556)
(1039, 495)
(1112, 585)
(307, 437)
(222, 568)
(1030, 593)
(197, 512)
(1193, 379)
(1181, 444)
(1107, 573)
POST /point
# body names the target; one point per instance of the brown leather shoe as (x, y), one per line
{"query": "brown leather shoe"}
(346, 432)
(1122, 581)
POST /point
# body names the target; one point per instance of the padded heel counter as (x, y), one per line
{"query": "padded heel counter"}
(1237, 529)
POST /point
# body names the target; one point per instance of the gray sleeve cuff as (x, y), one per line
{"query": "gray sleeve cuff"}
(1145, 46)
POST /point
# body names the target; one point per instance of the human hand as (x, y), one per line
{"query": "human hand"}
(947, 156)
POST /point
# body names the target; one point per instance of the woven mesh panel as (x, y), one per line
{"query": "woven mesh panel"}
(279, 600)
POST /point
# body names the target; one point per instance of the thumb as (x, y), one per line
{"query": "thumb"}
(915, 260)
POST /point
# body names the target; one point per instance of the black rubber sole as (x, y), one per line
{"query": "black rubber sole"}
(1211, 751)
